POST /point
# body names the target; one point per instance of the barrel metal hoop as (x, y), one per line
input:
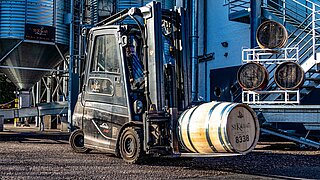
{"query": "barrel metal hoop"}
(179, 130)
(208, 128)
(219, 131)
(226, 137)
(188, 134)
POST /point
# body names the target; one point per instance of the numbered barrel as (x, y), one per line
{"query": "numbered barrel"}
(218, 127)
(289, 75)
(271, 34)
(253, 76)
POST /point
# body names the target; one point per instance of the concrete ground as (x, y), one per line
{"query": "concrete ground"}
(26, 153)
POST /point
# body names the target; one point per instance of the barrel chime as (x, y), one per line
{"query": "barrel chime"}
(288, 75)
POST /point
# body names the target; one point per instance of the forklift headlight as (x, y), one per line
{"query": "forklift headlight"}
(137, 107)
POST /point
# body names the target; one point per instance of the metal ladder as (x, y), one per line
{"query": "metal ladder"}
(81, 20)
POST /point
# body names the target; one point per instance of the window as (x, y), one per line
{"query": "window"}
(104, 86)
(106, 54)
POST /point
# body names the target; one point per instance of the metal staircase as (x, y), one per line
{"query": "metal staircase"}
(303, 24)
(302, 21)
(238, 10)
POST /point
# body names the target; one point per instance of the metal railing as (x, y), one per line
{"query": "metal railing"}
(237, 5)
(303, 41)
(306, 35)
(288, 97)
(262, 56)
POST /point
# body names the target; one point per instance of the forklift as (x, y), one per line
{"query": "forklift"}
(136, 85)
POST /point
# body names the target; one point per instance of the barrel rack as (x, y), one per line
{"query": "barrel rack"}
(270, 58)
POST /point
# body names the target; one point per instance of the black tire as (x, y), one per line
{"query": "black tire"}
(130, 145)
(76, 142)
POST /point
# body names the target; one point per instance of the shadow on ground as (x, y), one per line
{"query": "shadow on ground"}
(272, 165)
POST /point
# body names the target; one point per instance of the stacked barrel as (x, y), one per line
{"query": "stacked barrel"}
(288, 75)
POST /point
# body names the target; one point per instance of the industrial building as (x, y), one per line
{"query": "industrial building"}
(42, 44)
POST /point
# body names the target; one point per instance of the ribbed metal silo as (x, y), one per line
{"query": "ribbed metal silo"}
(62, 29)
(32, 32)
(127, 4)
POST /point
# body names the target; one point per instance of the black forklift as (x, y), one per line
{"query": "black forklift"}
(136, 84)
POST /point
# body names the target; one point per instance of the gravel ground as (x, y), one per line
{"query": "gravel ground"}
(50, 157)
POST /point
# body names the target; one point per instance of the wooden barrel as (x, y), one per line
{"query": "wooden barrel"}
(218, 127)
(289, 75)
(253, 76)
(271, 34)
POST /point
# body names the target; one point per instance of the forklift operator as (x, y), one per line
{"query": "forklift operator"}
(135, 67)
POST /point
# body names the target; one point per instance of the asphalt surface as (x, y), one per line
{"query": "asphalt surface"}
(34, 155)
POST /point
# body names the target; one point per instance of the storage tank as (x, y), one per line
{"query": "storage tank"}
(33, 33)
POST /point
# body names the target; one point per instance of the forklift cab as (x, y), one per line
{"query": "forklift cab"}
(110, 91)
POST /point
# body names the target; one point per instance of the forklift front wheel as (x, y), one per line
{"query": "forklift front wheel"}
(131, 145)
(76, 142)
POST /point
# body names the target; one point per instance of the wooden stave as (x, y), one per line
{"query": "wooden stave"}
(298, 85)
(282, 43)
(185, 143)
(219, 140)
(262, 85)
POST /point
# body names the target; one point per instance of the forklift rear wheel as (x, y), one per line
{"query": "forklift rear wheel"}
(76, 141)
(131, 145)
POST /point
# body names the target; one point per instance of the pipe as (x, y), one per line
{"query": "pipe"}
(31, 68)
(299, 140)
(194, 49)
(70, 87)
(255, 21)
(205, 37)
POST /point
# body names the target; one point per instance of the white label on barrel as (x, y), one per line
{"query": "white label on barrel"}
(241, 129)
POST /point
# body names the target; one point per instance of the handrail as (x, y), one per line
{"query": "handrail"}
(303, 43)
(237, 5)
(305, 18)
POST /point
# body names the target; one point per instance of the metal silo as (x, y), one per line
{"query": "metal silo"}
(127, 4)
(33, 34)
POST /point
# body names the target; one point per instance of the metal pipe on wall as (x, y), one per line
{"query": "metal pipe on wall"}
(205, 37)
(255, 21)
(71, 58)
(194, 48)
